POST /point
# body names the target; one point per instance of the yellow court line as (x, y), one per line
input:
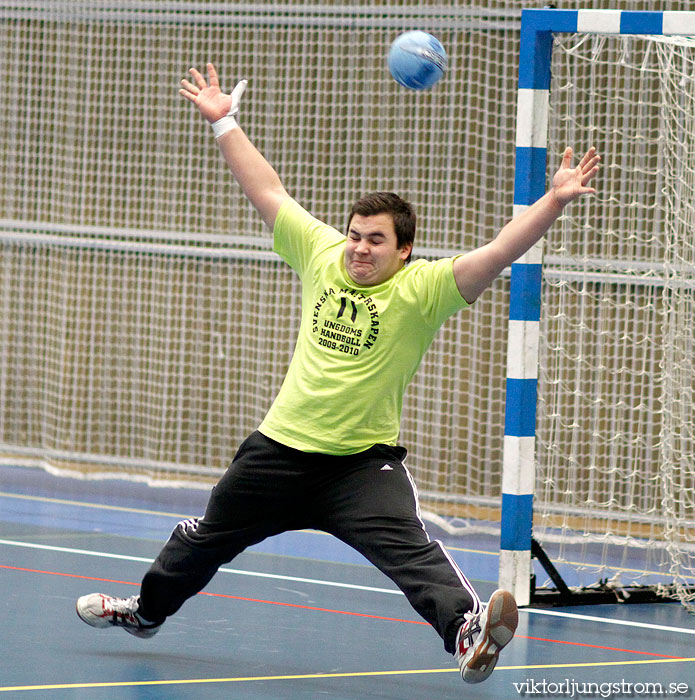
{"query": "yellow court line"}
(98, 506)
(314, 676)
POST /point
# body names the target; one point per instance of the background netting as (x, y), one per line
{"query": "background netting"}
(145, 325)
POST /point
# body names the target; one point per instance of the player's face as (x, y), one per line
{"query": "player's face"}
(372, 254)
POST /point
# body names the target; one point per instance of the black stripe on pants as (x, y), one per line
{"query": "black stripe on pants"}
(367, 500)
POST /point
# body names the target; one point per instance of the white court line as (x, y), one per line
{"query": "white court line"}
(239, 572)
(183, 516)
(336, 584)
(593, 618)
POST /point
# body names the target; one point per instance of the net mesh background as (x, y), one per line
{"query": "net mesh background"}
(156, 351)
(145, 326)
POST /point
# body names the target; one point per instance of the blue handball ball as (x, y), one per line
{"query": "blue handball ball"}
(417, 60)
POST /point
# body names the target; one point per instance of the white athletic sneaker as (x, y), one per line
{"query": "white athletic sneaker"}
(482, 636)
(99, 610)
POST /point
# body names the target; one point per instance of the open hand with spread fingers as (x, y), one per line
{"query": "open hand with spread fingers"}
(209, 98)
(570, 183)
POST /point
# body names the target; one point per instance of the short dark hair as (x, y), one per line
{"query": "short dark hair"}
(388, 203)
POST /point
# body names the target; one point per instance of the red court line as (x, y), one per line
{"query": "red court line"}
(219, 595)
(309, 607)
(598, 646)
(329, 610)
(58, 573)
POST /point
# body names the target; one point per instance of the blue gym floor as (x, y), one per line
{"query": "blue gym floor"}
(299, 616)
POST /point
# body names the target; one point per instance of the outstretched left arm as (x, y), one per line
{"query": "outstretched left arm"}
(475, 271)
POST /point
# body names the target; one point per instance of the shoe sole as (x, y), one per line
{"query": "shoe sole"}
(500, 622)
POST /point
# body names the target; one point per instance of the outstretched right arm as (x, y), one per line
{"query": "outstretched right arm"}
(255, 175)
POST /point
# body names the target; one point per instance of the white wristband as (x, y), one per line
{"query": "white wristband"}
(222, 126)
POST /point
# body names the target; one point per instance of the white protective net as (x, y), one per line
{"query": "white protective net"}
(616, 442)
(145, 325)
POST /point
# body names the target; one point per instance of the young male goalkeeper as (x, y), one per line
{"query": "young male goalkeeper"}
(326, 454)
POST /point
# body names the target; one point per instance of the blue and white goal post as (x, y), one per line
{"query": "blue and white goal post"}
(537, 29)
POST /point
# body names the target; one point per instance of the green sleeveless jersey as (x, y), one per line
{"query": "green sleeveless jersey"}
(357, 347)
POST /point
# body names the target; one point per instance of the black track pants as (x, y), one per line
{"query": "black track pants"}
(367, 500)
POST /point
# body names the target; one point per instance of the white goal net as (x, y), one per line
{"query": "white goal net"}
(615, 437)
